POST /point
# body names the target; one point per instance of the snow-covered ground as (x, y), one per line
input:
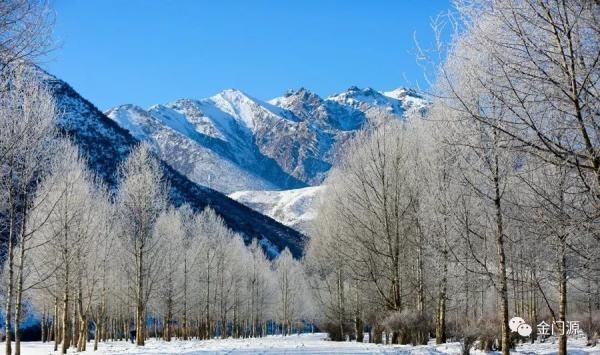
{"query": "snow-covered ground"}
(306, 344)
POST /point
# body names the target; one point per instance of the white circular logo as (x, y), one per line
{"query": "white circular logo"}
(524, 330)
(515, 322)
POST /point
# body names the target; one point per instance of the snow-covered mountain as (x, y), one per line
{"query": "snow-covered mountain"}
(105, 144)
(294, 208)
(232, 141)
(211, 141)
(376, 105)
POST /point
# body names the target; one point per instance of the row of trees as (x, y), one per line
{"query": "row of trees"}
(489, 208)
(89, 258)
(118, 260)
(447, 226)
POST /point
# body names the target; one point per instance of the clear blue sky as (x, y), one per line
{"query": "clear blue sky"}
(150, 51)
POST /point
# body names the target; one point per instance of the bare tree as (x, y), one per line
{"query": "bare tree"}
(169, 231)
(528, 71)
(289, 286)
(544, 60)
(328, 275)
(25, 31)
(141, 198)
(67, 197)
(26, 135)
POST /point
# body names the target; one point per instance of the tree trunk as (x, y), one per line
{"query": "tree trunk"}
(139, 317)
(55, 324)
(340, 289)
(207, 306)
(533, 317)
(440, 326)
(19, 292)
(168, 320)
(96, 335)
(503, 290)
(184, 328)
(358, 323)
(81, 340)
(10, 264)
(66, 326)
(562, 279)
(589, 311)
(75, 330)
(377, 333)
(43, 327)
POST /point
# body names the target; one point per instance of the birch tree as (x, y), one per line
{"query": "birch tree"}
(538, 63)
(26, 138)
(66, 237)
(289, 286)
(544, 58)
(141, 198)
(168, 230)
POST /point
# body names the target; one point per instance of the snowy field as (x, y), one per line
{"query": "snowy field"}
(305, 344)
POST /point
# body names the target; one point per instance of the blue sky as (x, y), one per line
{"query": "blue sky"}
(151, 51)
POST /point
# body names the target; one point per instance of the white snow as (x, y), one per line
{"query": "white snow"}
(178, 142)
(411, 101)
(250, 144)
(173, 119)
(130, 117)
(248, 111)
(368, 100)
(295, 344)
(295, 208)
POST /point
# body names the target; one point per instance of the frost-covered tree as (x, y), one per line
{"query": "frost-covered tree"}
(141, 199)
(543, 59)
(66, 238)
(328, 275)
(187, 243)
(25, 31)
(370, 203)
(169, 232)
(259, 281)
(526, 72)
(27, 132)
(289, 285)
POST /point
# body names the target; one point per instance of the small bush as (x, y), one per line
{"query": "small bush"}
(470, 335)
(481, 334)
(411, 326)
(334, 332)
(591, 329)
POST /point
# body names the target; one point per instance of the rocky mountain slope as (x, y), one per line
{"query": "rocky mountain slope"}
(232, 141)
(295, 208)
(106, 144)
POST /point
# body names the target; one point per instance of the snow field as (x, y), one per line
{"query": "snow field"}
(295, 344)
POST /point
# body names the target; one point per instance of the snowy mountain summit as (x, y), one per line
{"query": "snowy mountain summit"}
(106, 142)
(233, 142)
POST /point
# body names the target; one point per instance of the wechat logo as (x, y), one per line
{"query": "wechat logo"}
(518, 325)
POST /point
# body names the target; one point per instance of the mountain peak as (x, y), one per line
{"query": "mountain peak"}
(131, 117)
(125, 107)
(105, 143)
(296, 94)
(302, 91)
(288, 141)
(402, 92)
(233, 95)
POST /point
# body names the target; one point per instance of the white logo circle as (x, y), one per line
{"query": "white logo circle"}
(524, 330)
(515, 322)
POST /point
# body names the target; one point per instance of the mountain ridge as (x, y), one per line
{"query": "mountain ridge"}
(105, 144)
(232, 141)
